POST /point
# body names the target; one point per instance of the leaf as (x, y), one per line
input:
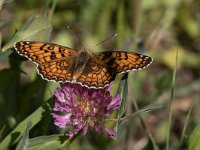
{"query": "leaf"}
(35, 28)
(17, 133)
(23, 144)
(116, 84)
(51, 142)
(5, 54)
(123, 90)
(194, 140)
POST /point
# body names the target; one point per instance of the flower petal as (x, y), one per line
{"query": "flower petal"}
(62, 121)
(115, 103)
(76, 130)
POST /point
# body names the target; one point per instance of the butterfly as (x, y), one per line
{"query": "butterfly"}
(93, 70)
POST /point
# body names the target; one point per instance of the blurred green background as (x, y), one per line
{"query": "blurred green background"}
(158, 28)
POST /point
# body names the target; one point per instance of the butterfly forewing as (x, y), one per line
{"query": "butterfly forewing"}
(53, 61)
(42, 53)
(124, 61)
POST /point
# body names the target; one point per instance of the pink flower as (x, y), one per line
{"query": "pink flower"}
(84, 108)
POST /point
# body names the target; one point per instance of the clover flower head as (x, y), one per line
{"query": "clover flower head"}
(84, 108)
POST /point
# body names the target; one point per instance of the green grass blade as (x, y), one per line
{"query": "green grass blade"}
(54, 3)
(170, 103)
(185, 125)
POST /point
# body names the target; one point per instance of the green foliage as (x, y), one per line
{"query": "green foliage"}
(23, 144)
(35, 28)
(51, 142)
(19, 130)
(194, 142)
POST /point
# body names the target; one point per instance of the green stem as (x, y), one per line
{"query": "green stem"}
(170, 103)
(185, 125)
(54, 3)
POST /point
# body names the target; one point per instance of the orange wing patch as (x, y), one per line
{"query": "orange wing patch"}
(123, 61)
(58, 71)
(42, 53)
(96, 75)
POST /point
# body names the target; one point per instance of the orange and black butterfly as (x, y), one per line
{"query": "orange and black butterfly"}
(93, 70)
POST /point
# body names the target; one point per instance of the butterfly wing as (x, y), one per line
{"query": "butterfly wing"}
(42, 53)
(124, 61)
(96, 75)
(59, 71)
(54, 62)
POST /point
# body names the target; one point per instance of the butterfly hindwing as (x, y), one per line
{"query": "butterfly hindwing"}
(120, 61)
(96, 75)
(58, 71)
(41, 52)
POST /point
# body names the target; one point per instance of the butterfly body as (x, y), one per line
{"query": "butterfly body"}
(93, 70)
(80, 64)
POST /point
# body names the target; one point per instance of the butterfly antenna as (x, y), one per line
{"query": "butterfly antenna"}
(108, 38)
(71, 30)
